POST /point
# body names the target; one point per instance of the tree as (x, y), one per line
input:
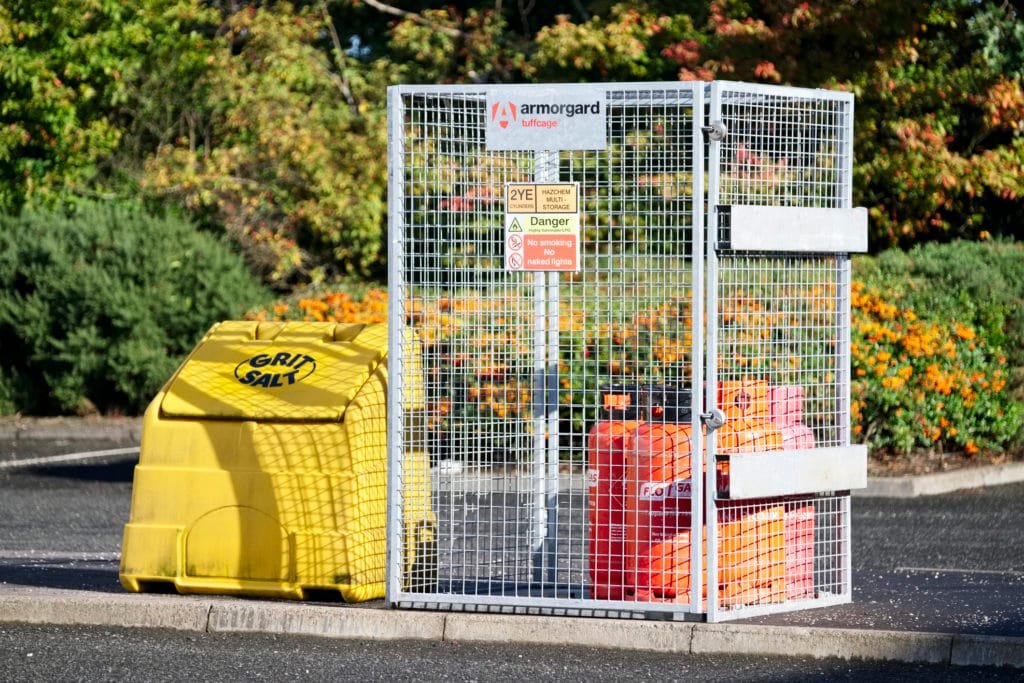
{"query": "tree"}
(267, 119)
(939, 134)
(293, 162)
(69, 71)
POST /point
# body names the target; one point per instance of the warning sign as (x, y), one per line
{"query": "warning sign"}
(542, 227)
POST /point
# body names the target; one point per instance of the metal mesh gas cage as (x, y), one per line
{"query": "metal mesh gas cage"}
(619, 338)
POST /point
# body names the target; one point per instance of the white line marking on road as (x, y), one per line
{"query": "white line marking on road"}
(70, 457)
(954, 570)
(58, 555)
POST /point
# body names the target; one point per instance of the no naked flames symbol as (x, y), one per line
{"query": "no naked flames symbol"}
(503, 113)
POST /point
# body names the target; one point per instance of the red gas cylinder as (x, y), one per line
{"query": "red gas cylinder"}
(658, 492)
(607, 444)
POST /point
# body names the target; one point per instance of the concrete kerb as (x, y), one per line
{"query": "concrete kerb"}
(329, 622)
(78, 608)
(801, 641)
(971, 650)
(943, 482)
(128, 429)
(652, 636)
(229, 615)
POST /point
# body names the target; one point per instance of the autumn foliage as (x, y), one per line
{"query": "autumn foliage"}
(267, 120)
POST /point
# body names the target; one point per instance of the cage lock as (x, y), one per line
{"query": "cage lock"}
(713, 419)
(716, 131)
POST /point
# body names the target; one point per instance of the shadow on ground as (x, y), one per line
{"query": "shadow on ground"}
(91, 575)
(119, 472)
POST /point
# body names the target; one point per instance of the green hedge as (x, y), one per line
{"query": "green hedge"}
(100, 302)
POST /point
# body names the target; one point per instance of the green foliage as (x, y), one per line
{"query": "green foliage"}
(940, 139)
(74, 74)
(628, 44)
(451, 46)
(13, 392)
(99, 304)
(979, 284)
(293, 163)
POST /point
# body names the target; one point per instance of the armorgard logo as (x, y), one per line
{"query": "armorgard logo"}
(503, 113)
(539, 115)
(275, 370)
(540, 118)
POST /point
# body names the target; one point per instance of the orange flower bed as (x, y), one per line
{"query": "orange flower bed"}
(915, 383)
(931, 385)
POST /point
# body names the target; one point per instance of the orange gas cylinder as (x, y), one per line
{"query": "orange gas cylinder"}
(751, 552)
(749, 435)
(658, 492)
(744, 399)
(751, 540)
(607, 444)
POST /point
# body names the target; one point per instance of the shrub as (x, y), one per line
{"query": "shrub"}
(976, 283)
(933, 384)
(940, 355)
(99, 304)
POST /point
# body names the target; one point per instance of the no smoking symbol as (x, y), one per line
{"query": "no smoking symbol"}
(515, 242)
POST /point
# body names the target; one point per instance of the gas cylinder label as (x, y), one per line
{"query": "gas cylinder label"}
(665, 490)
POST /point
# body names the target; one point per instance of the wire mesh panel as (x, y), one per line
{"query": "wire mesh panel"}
(550, 394)
(526, 371)
(778, 344)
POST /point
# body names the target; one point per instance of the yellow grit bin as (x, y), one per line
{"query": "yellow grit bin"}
(263, 468)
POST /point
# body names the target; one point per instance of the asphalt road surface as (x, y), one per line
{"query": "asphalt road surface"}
(35, 653)
(952, 563)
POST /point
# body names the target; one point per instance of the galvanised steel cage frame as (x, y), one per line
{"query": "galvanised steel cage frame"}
(716, 227)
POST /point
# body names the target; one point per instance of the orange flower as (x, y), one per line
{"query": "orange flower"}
(964, 332)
